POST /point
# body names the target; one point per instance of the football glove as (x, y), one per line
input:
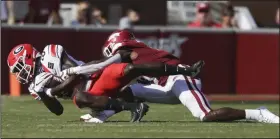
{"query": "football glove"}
(197, 67)
(145, 80)
(66, 73)
(33, 93)
(41, 80)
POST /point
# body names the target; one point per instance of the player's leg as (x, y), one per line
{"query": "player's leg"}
(191, 96)
(87, 100)
(153, 93)
(150, 93)
(231, 114)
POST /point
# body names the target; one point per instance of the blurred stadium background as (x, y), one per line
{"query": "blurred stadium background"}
(239, 41)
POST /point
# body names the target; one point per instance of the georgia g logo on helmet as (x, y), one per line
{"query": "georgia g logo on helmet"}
(19, 49)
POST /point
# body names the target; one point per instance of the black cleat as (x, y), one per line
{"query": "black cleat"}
(138, 113)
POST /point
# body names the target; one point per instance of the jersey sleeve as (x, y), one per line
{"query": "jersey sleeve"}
(51, 58)
(54, 50)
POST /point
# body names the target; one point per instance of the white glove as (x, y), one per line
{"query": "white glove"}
(48, 92)
(66, 73)
(41, 80)
(32, 92)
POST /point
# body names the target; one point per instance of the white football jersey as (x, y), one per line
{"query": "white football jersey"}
(51, 59)
(51, 62)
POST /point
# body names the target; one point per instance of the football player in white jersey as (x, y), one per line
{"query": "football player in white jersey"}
(26, 62)
(34, 68)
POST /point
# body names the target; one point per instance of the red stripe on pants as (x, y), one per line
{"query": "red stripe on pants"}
(204, 99)
(196, 96)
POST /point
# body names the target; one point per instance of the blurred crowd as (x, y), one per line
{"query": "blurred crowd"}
(47, 12)
(205, 19)
(88, 15)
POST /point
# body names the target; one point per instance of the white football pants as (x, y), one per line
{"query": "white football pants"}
(178, 89)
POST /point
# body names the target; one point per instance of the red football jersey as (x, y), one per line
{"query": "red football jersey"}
(102, 86)
(147, 54)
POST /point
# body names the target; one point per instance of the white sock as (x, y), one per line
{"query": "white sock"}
(251, 114)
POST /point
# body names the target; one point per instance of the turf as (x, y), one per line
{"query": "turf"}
(23, 117)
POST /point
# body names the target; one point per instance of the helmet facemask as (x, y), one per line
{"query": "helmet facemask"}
(22, 70)
(111, 49)
(107, 51)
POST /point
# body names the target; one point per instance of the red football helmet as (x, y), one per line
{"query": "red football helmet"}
(21, 61)
(116, 40)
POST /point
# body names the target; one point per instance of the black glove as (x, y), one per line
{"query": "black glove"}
(145, 80)
(197, 67)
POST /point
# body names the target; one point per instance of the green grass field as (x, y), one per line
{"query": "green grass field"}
(23, 117)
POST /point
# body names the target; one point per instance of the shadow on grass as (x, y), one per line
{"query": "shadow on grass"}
(159, 121)
(162, 121)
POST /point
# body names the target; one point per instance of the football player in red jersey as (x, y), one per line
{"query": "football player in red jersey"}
(172, 89)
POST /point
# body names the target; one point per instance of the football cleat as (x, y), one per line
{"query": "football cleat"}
(89, 119)
(97, 116)
(267, 117)
(138, 113)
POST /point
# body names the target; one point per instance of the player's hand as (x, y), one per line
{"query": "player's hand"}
(65, 73)
(41, 80)
(145, 80)
(33, 93)
(197, 67)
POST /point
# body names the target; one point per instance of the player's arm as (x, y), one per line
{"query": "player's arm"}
(45, 94)
(69, 82)
(37, 87)
(92, 66)
(65, 85)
